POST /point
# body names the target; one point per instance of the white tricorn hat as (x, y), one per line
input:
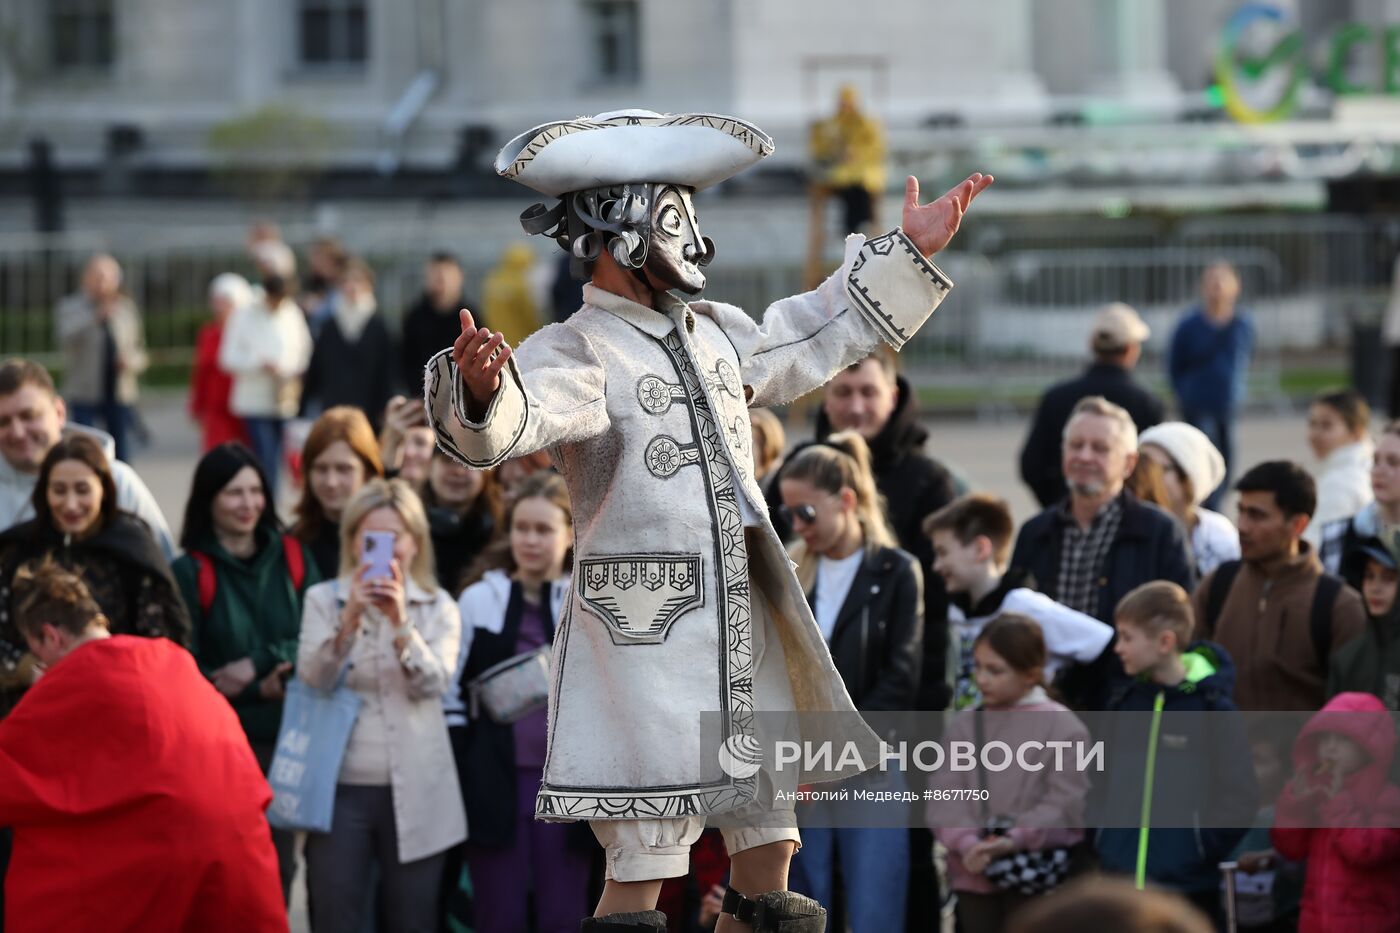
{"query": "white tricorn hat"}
(694, 150)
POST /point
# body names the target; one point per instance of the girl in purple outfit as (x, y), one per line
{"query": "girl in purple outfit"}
(510, 611)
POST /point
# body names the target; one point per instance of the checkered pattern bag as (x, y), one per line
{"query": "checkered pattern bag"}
(1033, 871)
(1030, 872)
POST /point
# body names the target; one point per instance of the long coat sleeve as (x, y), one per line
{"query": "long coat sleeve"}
(645, 412)
(552, 390)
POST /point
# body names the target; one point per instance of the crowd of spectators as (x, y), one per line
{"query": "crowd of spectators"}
(1129, 591)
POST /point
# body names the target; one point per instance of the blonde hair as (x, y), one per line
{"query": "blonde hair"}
(842, 461)
(389, 494)
(544, 484)
(1156, 607)
(771, 439)
(1103, 408)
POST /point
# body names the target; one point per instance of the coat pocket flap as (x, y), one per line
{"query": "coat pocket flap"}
(640, 596)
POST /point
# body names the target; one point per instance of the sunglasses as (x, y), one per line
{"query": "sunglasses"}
(806, 512)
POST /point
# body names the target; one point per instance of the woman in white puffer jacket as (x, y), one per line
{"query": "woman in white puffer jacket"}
(1338, 426)
(266, 349)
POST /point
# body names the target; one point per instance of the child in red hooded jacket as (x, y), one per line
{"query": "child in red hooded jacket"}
(1340, 814)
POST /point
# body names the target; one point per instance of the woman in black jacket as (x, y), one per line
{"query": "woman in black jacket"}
(77, 523)
(464, 511)
(867, 597)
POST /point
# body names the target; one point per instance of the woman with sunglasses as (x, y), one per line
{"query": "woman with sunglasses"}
(867, 596)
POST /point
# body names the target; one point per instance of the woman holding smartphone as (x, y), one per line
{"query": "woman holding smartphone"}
(386, 626)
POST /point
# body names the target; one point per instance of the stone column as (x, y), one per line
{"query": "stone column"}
(17, 32)
(1131, 42)
(265, 54)
(1020, 92)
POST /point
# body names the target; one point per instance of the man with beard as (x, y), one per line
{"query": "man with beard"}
(684, 600)
(1276, 611)
(1100, 543)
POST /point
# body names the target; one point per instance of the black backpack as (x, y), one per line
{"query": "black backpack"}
(1329, 587)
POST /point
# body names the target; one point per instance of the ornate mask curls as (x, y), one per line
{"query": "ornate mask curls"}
(585, 222)
(643, 226)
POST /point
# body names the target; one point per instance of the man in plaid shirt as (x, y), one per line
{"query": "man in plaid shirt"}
(1099, 542)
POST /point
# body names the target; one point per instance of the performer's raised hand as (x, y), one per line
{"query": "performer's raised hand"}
(479, 355)
(931, 226)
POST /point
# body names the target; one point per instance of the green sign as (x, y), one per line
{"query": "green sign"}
(1262, 85)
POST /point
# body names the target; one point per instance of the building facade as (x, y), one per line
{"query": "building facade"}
(437, 85)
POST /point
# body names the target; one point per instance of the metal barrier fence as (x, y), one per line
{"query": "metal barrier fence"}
(1018, 318)
(168, 280)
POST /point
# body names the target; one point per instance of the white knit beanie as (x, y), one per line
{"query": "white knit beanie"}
(232, 286)
(1192, 452)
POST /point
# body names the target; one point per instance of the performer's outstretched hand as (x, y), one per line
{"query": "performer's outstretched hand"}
(479, 355)
(931, 226)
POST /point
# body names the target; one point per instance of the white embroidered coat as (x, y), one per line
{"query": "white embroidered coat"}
(646, 414)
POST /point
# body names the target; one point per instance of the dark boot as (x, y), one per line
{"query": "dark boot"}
(643, 921)
(776, 912)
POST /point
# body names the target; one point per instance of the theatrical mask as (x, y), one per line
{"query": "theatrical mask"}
(651, 229)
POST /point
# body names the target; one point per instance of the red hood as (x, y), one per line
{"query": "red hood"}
(1362, 718)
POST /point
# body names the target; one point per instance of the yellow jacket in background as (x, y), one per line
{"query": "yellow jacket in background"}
(507, 302)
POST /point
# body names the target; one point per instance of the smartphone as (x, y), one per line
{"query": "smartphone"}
(413, 413)
(376, 551)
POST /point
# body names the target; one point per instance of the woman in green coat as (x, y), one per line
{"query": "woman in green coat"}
(243, 582)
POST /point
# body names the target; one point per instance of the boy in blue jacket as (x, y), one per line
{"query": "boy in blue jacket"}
(1196, 770)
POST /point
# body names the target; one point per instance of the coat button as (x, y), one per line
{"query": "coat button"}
(1103, 581)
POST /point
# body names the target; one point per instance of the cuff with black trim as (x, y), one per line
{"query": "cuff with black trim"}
(894, 287)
